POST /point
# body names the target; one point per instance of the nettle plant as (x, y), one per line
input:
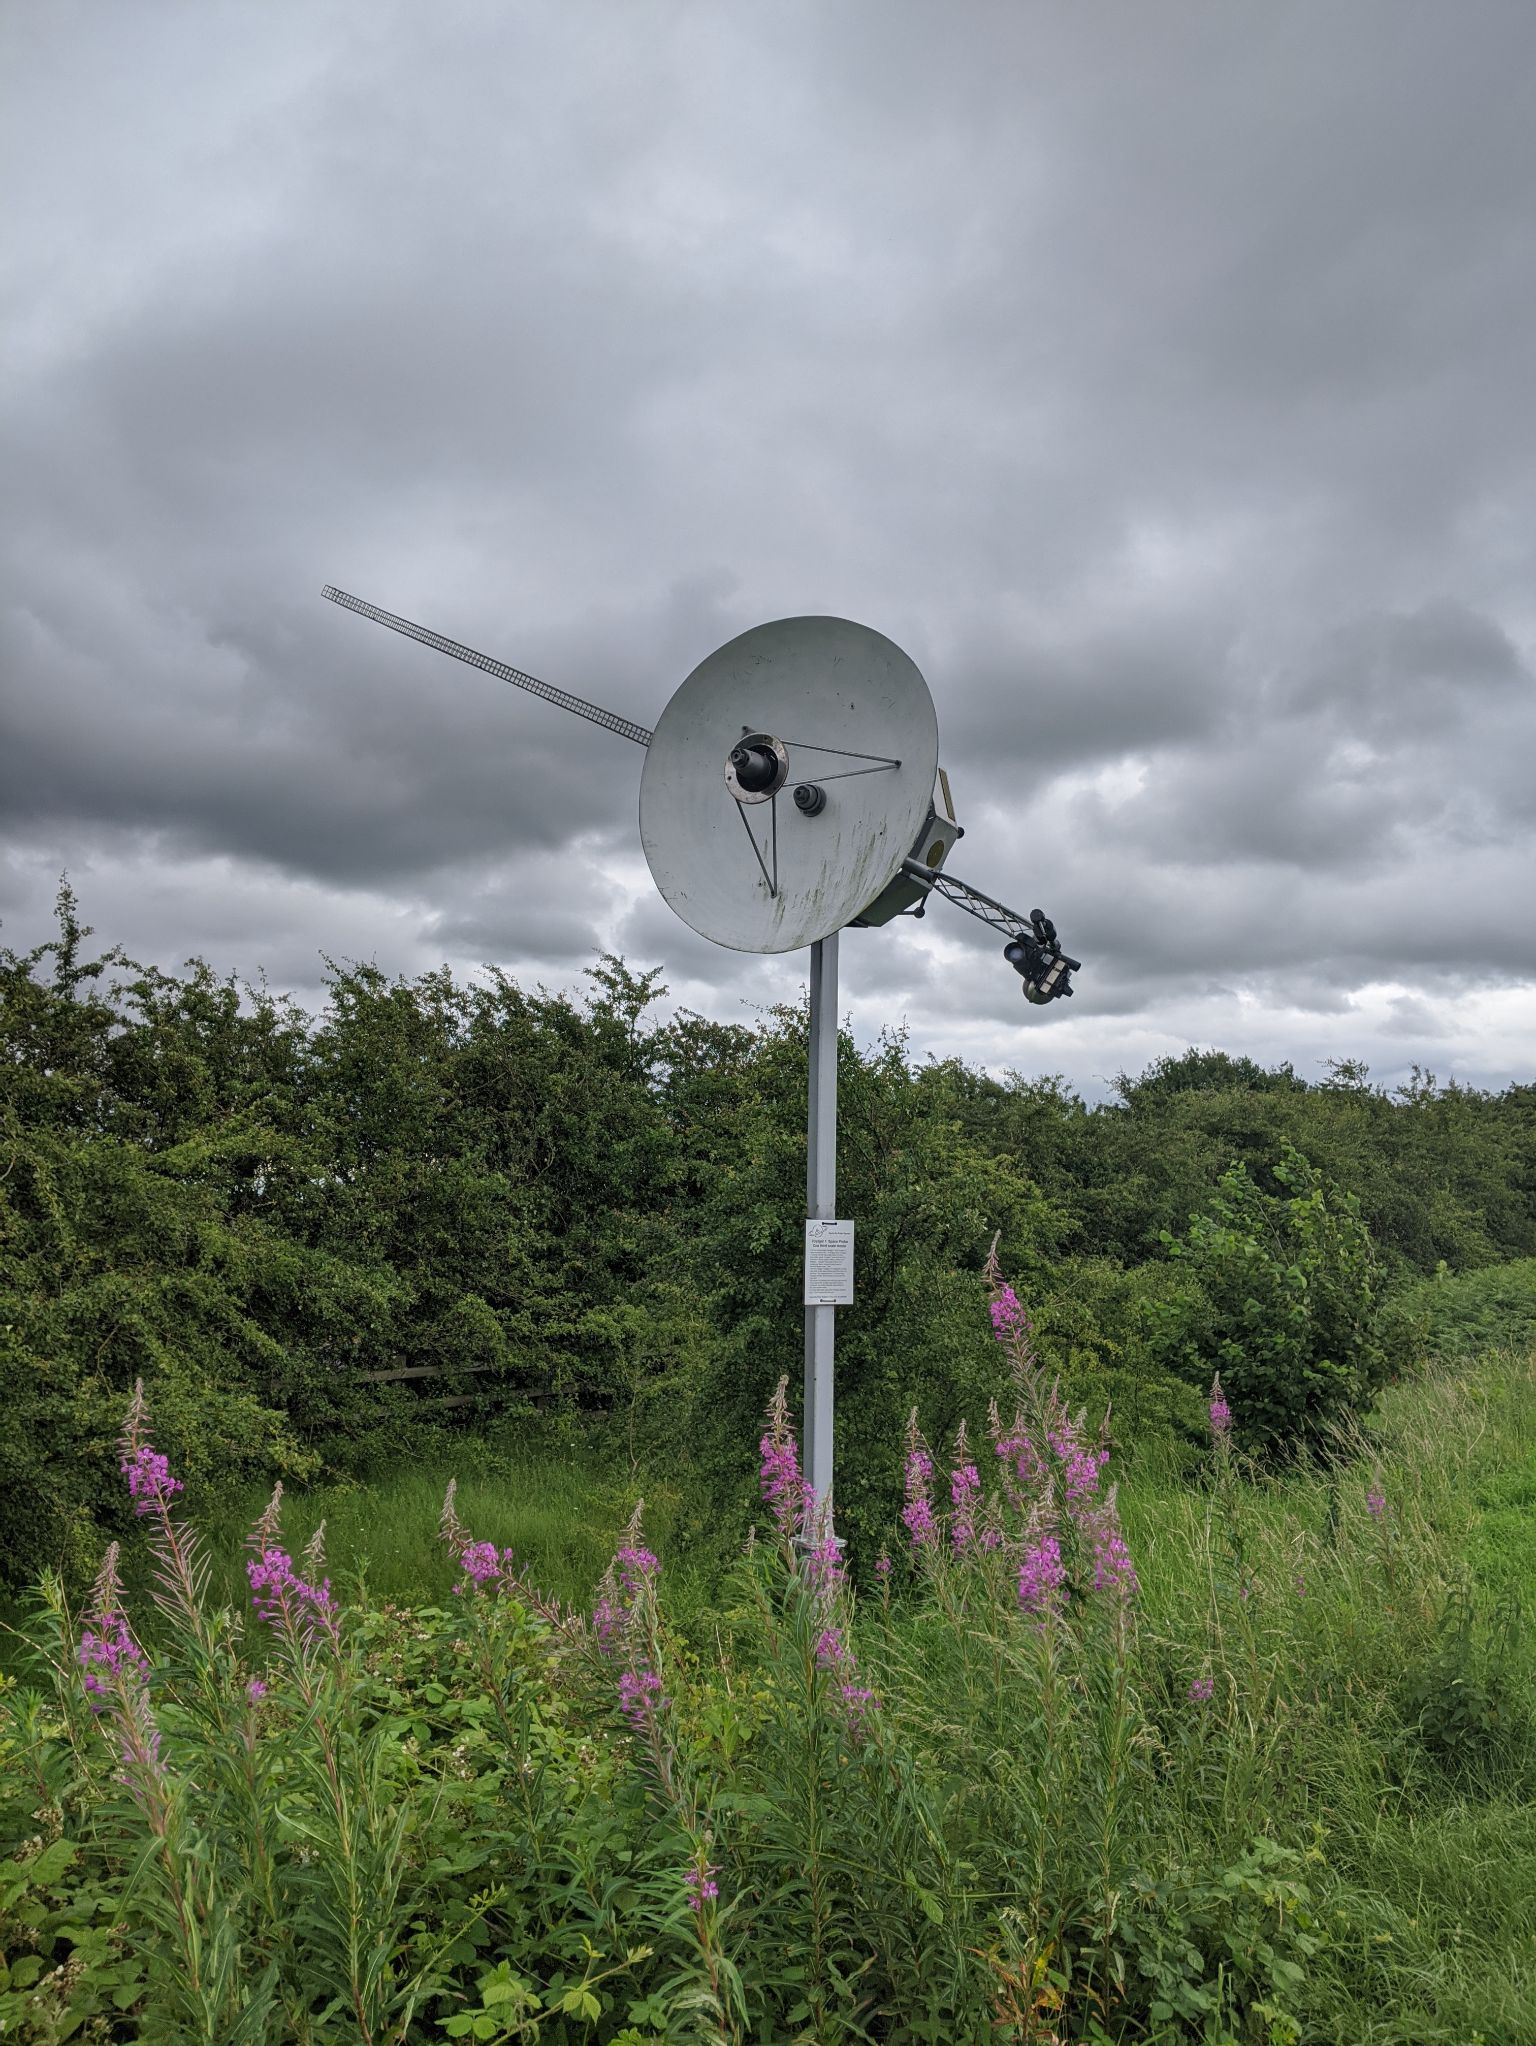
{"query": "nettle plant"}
(911, 1817)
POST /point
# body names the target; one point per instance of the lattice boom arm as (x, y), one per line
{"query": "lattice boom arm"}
(1032, 949)
(504, 672)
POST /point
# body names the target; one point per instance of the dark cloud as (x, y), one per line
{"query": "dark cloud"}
(1157, 377)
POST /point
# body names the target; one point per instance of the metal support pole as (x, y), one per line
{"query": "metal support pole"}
(821, 1205)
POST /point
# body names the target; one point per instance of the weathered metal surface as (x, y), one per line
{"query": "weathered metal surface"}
(854, 715)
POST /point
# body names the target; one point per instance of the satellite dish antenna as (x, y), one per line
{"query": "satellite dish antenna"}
(791, 787)
(786, 781)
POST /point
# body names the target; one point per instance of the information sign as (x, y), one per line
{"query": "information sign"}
(829, 1264)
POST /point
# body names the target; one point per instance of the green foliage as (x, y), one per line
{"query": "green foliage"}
(1283, 1303)
(528, 1200)
(436, 1823)
(1210, 1947)
(927, 1203)
(1464, 1314)
(1464, 1700)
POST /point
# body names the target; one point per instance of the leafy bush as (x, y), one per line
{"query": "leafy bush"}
(1277, 1292)
(1464, 1700)
(1463, 1314)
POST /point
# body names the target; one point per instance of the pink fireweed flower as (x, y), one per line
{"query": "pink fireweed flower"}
(625, 1584)
(1220, 1412)
(1113, 1569)
(1080, 1466)
(110, 1659)
(782, 1486)
(831, 1649)
(1375, 1504)
(964, 1484)
(1023, 1464)
(882, 1564)
(634, 1567)
(608, 1618)
(917, 1515)
(150, 1483)
(1042, 1577)
(115, 1678)
(860, 1703)
(701, 1887)
(1010, 1324)
(1202, 1690)
(640, 1697)
(255, 1690)
(483, 1565)
(287, 1604)
(1008, 1316)
(824, 1567)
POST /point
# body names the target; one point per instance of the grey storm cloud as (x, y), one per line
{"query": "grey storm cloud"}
(1158, 377)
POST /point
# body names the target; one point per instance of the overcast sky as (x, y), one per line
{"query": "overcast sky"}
(1161, 377)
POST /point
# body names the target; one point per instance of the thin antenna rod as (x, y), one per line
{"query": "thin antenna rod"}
(609, 720)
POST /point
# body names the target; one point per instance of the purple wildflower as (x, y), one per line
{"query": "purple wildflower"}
(1202, 1690)
(882, 1564)
(481, 1564)
(1375, 1504)
(860, 1703)
(1024, 1465)
(1113, 1569)
(1220, 1412)
(635, 1566)
(1010, 1324)
(1008, 1316)
(964, 1484)
(110, 1658)
(824, 1567)
(701, 1887)
(286, 1602)
(1080, 1466)
(831, 1650)
(112, 1661)
(1042, 1575)
(632, 1572)
(256, 1690)
(149, 1479)
(779, 1477)
(116, 1681)
(640, 1696)
(917, 1514)
(608, 1617)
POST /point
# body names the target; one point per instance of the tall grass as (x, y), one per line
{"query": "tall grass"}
(1269, 1778)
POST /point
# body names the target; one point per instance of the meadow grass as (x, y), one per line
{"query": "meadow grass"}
(1431, 1880)
(557, 1499)
(1371, 1684)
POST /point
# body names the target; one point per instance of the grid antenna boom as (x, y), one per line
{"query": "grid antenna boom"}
(502, 670)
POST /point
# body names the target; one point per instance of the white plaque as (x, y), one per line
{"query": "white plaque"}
(829, 1264)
